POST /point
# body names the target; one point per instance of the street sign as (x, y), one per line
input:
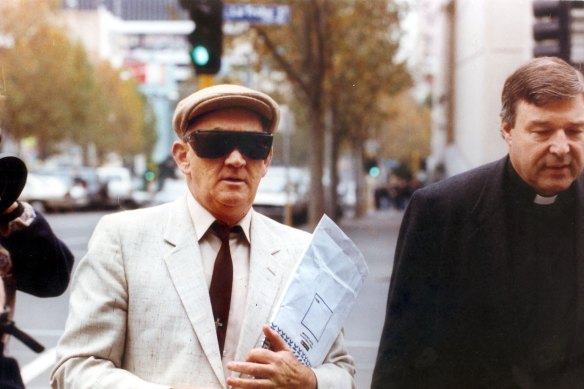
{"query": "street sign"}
(257, 14)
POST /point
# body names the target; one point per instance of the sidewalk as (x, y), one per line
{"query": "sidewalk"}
(375, 234)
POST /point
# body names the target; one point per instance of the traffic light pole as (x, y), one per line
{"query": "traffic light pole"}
(205, 80)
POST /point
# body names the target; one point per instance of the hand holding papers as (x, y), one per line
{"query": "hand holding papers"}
(320, 293)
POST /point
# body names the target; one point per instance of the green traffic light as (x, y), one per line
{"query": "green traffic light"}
(374, 171)
(200, 55)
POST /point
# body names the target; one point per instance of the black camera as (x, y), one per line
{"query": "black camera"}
(13, 175)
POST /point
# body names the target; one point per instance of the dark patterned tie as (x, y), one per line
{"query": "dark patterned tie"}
(221, 282)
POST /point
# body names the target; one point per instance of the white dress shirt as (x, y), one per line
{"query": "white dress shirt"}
(210, 244)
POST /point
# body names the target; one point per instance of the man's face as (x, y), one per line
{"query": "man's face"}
(225, 186)
(546, 145)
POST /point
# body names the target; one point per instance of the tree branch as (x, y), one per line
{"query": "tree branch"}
(293, 75)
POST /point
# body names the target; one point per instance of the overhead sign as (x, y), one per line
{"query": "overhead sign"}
(257, 14)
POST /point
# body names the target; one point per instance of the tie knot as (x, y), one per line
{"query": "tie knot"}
(223, 230)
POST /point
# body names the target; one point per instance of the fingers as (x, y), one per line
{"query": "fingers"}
(275, 368)
(276, 341)
(249, 383)
(252, 375)
(252, 369)
(285, 373)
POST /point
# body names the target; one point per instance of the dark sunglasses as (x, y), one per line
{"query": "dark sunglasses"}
(218, 144)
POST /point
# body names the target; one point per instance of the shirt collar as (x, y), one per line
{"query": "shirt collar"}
(544, 200)
(202, 219)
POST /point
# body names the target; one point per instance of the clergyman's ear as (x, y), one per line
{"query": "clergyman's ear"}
(506, 131)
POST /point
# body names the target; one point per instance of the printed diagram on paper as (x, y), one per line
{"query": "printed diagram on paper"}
(317, 317)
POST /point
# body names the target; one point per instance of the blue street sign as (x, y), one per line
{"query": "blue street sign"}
(257, 14)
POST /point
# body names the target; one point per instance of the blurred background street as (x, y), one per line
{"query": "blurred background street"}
(375, 235)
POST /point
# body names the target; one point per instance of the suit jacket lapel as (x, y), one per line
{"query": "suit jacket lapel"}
(268, 261)
(185, 267)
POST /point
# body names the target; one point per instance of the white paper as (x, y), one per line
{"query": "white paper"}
(320, 293)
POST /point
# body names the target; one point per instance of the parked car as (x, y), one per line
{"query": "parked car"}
(80, 177)
(50, 193)
(284, 188)
(118, 185)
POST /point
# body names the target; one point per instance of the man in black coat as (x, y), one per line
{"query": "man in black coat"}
(487, 289)
(41, 265)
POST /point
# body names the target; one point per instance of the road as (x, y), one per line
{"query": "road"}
(375, 235)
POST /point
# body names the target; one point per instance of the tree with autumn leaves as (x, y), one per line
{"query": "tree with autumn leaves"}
(53, 93)
(339, 58)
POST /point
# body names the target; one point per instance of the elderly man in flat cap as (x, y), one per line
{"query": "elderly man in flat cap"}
(178, 295)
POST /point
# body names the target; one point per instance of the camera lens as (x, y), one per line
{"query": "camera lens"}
(13, 175)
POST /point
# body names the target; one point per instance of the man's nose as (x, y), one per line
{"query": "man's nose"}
(560, 145)
(235, 158)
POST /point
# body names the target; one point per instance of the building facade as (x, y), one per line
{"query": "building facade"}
(478, 43)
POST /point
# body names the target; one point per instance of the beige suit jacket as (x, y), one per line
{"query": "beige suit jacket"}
(140, 315)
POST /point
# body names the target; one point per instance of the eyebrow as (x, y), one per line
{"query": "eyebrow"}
(544, 123)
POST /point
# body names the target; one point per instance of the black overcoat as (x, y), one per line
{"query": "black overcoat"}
(451, 319)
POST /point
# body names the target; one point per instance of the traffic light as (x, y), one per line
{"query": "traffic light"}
(207, 38)
(551, 30)
(371, 167)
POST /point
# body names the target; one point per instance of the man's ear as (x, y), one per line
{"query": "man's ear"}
(180, 153)
(506, 131)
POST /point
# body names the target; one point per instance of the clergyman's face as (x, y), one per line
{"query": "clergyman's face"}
(546, 144)
(225, 186)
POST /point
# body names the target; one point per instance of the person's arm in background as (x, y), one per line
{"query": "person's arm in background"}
(41, 262)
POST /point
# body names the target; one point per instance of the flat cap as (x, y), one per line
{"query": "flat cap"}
(221, 97)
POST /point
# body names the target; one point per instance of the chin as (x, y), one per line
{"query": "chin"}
(551, 190)
(236, 202)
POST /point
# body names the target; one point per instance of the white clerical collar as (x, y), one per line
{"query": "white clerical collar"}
(542, 200)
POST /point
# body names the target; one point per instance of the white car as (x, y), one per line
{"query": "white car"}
(48, 193)
(282, 190)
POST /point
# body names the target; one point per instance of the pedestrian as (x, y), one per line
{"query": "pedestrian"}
(144, 309)
(488, 277)
(32, 260)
